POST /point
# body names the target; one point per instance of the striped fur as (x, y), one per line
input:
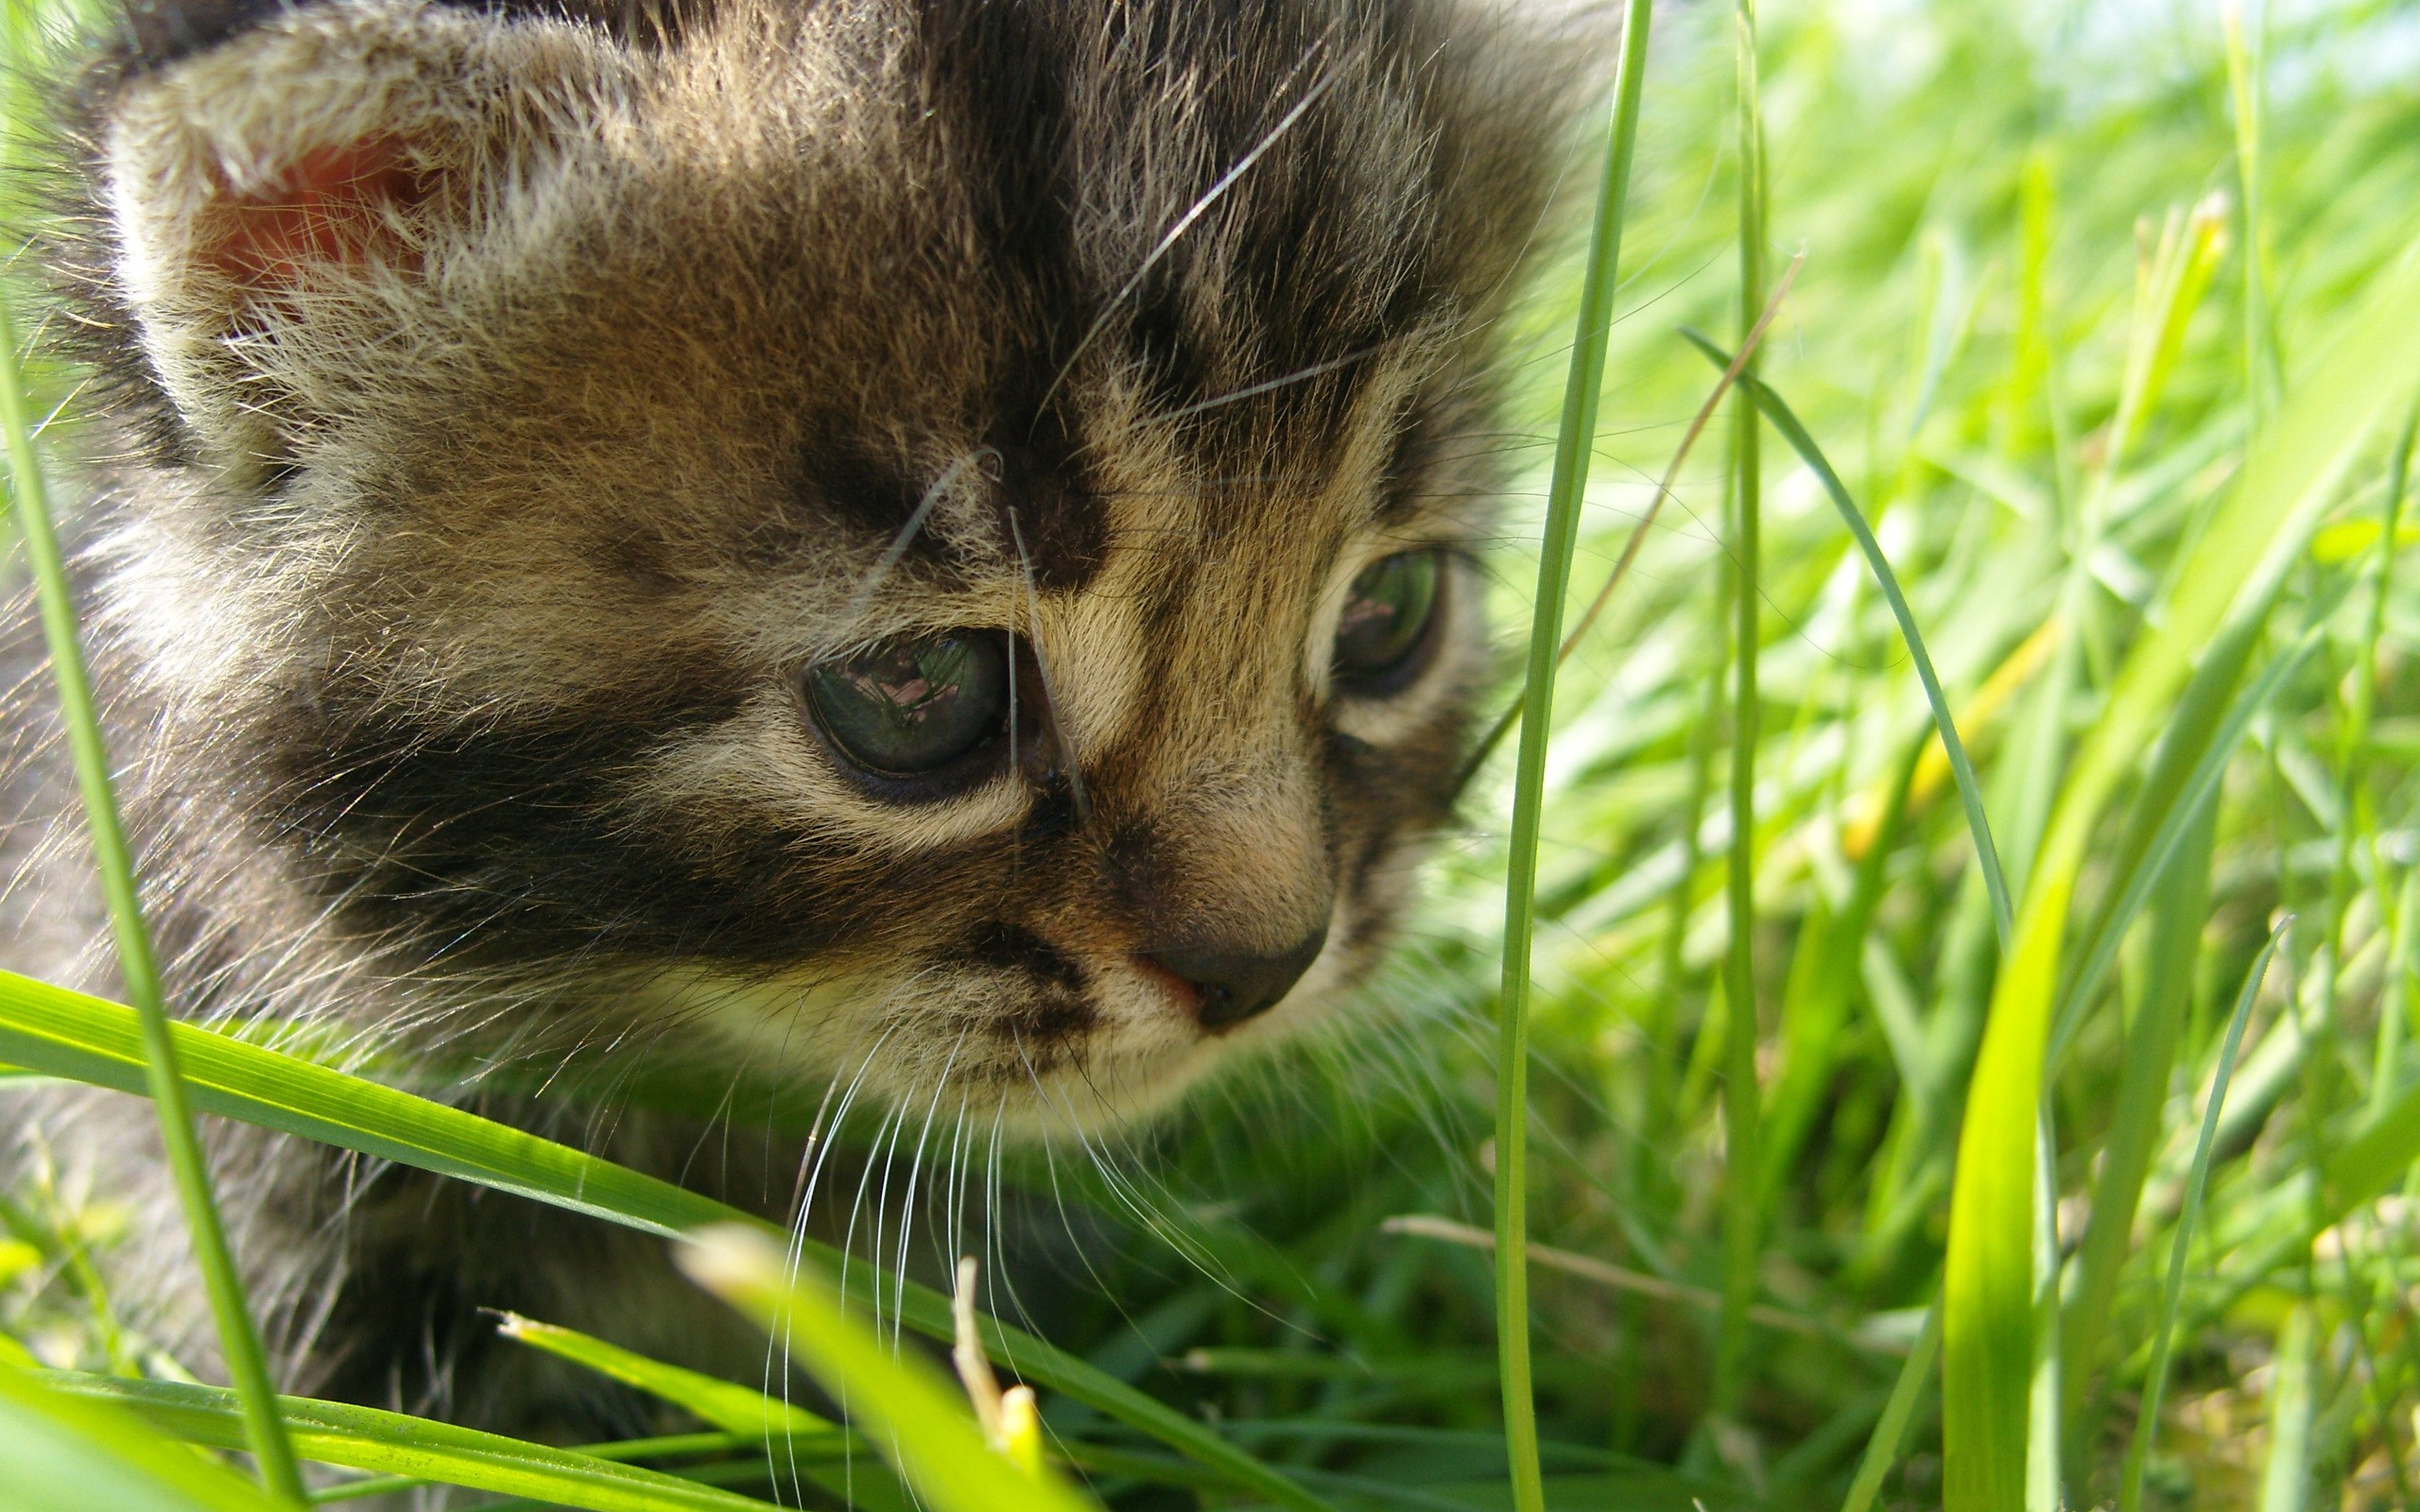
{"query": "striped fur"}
(455, 554)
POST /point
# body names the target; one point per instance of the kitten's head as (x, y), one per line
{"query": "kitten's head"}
(922, 537)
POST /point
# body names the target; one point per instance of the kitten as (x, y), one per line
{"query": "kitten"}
(920, 547)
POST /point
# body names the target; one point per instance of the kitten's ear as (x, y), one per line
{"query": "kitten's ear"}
(303, 184)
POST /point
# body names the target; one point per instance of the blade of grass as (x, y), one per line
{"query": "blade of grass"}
(239, 1342)
(1862, 814)
(2189, 248)
(802, 1445)
(1882, 1449)
(1665, 1087)
(916, 1421)
(368, 1438)
(1428, 1226)
(2285, 1481)
(68, 1034)
(2395, 1001)
(797, 1441)
(2181, 907)
(1970, 792)
(2197, 1179)
(64, 1453)
(726, 1404)
(1575, 439)
(2042, 1492)
(2352, 759)
(1989, 1287)
(664, 1446)
(2018, 797)
(1742, 1109)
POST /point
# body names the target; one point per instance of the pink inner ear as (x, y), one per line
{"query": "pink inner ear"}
(330, 206)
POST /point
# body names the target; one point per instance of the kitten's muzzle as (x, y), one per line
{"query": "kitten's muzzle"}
(1231, 986)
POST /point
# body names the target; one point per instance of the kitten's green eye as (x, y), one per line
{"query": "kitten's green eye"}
(910, 708)
(1387, 615)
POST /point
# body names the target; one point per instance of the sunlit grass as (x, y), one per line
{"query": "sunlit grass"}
(2102, 347)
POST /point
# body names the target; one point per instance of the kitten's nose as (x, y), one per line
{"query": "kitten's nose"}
(1238, 985)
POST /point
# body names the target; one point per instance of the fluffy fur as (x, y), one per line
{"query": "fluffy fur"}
(505, 405)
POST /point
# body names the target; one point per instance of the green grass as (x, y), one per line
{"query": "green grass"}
(1574, 451)
(2093, 389)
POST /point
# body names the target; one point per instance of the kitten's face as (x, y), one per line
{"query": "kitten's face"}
(929, 544)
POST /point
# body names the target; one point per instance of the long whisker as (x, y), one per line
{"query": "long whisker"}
(890, 557)
(1184, 223)
(1059, 734)
(891, 1119)
(1235, 396)
(908, 1200)
(954, 1214)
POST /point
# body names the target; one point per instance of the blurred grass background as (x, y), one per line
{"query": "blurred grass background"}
(2062, 266)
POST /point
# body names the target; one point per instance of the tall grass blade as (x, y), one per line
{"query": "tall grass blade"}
(1891, 1431)
(1575, 439)
(661, 1445)
(2197, 1179)
(1970, 791)
(2042, 1487)
(724, 1404)
(61, 1033)
(802, 1445)
(2285, 1481)
(369, 1438)
(2354, 792)
(2173, 286)
(914, 1420)
(238, 1341)
(2181, 907)
(1742, 1095)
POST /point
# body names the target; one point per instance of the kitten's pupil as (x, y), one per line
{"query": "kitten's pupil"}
(1385, 627)
(912, 707)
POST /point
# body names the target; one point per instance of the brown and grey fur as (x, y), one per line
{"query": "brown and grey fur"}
(451, 592)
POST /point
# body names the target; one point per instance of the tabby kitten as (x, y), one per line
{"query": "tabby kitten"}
(920, 546)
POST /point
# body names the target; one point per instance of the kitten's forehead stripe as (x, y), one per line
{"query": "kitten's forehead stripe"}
(996, 75)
